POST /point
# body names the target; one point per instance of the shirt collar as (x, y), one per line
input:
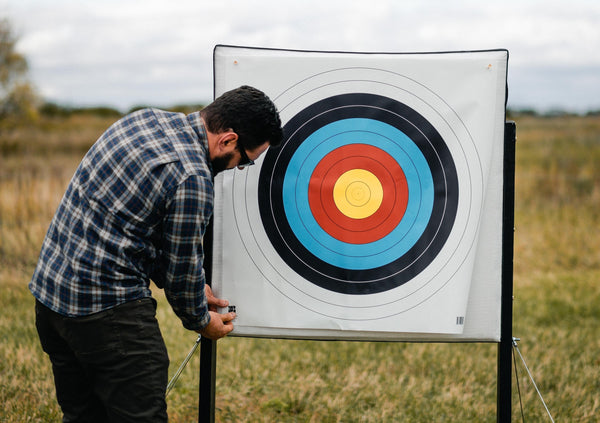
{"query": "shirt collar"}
(197, 124)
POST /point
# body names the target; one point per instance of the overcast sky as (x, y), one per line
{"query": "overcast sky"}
(122, 53)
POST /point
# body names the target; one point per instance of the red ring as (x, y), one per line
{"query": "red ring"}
(328, 202)
(337, 224)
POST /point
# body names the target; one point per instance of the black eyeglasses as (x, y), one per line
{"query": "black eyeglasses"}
(245, 161)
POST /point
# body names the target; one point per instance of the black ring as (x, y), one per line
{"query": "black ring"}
(432, 240)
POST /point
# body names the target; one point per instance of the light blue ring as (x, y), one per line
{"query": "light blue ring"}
(420, 193)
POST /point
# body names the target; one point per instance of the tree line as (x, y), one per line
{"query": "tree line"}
(17, 96)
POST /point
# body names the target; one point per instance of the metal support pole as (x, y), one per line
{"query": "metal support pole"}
(174, 379)
(208, 373)
(504, 387)
(208, 348)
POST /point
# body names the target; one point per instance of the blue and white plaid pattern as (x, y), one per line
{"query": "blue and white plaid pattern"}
(136, 209)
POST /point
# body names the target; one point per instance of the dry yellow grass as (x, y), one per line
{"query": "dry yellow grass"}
(557, 307)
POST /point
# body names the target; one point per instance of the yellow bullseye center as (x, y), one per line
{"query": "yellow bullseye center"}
(358, 193)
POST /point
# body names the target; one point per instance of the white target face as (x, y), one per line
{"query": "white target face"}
(368, 214)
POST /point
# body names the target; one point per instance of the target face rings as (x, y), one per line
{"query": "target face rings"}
(361, 196)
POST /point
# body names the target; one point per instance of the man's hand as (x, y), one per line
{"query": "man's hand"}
(213, 302)
(219, 326)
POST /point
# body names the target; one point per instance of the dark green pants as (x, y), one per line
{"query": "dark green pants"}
(110, 366)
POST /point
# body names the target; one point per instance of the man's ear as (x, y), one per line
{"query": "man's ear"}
(227, 141)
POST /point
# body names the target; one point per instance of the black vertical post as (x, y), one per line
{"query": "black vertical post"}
(504, 389)
(208, 348)
(208, 367)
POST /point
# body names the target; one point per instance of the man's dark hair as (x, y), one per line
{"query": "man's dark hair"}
(249, 113)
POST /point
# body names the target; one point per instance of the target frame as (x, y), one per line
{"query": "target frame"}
(402, 300)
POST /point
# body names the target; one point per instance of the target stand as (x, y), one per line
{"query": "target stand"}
(385, 214)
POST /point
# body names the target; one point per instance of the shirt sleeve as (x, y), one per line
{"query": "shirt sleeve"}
(182, 258)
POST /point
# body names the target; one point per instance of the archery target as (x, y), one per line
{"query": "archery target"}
(371, 204)
(364, 145)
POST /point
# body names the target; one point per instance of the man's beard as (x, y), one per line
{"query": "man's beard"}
(219, 164)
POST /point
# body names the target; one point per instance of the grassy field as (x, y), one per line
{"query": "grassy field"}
(556, 308)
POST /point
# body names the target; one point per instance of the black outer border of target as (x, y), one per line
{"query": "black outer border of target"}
(430, 243)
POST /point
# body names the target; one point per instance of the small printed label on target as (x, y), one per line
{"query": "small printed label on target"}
(231, 309)
(460, 320)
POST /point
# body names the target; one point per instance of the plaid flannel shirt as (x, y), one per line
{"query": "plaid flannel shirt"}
(135, 210)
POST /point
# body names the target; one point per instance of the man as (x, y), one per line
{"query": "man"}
(136, 210)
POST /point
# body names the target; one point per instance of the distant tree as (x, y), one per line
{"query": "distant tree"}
(17, 96)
